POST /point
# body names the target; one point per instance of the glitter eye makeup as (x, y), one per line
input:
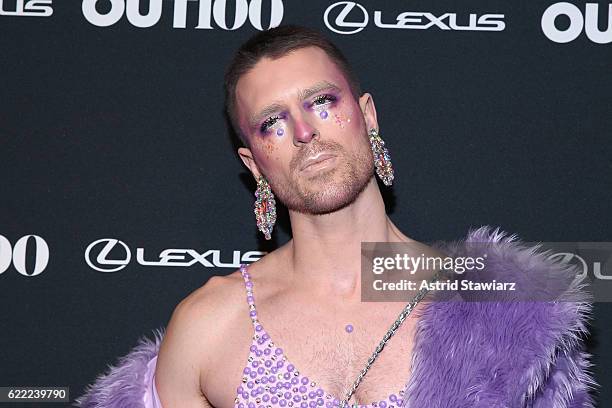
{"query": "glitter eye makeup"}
(323, 102)
(270, 122)
(320, 104)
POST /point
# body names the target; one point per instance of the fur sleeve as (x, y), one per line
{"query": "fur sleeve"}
(568, 383)
(128, 384)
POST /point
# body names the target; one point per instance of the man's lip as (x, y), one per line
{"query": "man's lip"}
(316, 159)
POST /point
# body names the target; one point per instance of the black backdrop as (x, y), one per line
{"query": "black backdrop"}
(115, 130)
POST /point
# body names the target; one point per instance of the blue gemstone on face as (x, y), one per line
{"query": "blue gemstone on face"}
(280, 132)
(323, 114)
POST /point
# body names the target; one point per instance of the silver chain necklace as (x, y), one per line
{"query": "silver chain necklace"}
(398, 322)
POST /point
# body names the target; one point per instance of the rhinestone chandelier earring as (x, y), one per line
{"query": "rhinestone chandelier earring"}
(382, 159)
(265, 207)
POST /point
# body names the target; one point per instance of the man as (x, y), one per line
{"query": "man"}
(308, 290)
(310, 135)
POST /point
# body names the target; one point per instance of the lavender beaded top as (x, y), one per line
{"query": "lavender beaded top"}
(270, 380)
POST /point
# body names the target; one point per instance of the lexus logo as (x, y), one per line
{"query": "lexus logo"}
(582, 265)
(571, 258)
(336, 18)
(103, 248)
(98, 257)
(340, 21)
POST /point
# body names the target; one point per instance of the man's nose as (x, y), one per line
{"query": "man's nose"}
(304, 131)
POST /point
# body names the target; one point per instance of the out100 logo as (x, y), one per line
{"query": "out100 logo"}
(208, 10)
(18, 255)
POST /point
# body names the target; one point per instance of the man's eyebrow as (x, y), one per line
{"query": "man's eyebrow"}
(302, 94)
(318, 87)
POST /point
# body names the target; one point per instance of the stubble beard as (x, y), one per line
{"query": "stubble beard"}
(327, 190)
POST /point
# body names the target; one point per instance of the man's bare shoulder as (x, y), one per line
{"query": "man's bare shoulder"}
(196, 331)
(216, 295)
(203, 313)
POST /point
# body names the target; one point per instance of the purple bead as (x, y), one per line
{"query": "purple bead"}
(336, 401)
(304, 404)
(258, 353)
(274, 370)
(267, 351)
(265, 398)
(253, 313)
(250, 299)
(254, 393)
(312, 394)
(302, 389)
(382, 404)
(260, 370)
(268, 363)
(274, 399)
(253, 348)
(251, 405)
(249, 284)
(294, 380)
(349, 328)
(329, 404)
(296, 398)
(304, 380)
(246, 370)
(255, 363)
(253, 374)
(245, 395)
(286, 376)
(290, 367)
(278, 351)
(282, 402)
(320, 392)
(287, 395)
(392, 398)
(279, 364)
(312, 404)
(250, 384)
(241, 405)
(265, 336)
(323, 114)
(320, 401)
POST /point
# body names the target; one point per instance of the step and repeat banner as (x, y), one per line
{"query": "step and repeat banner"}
(122, 191)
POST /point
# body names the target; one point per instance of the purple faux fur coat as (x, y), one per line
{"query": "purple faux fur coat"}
(466, 354)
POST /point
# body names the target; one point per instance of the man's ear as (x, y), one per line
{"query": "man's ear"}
(368, 109)
(247, 158)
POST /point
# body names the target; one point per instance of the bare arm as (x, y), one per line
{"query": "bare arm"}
(185, 350)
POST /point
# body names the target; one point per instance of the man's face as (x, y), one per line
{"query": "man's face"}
(297, 107)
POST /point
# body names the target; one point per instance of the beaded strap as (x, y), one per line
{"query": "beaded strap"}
(249, 291)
